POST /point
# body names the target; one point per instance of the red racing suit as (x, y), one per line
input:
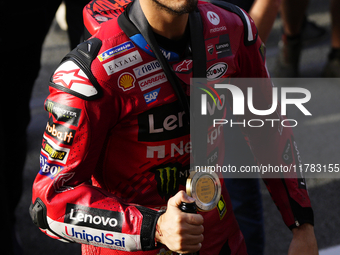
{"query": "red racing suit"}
(116, 145)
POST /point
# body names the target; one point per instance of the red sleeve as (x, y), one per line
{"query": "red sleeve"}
(64, 203)
(272, 144)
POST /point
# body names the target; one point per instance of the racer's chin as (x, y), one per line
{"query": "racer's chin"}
(177, 7)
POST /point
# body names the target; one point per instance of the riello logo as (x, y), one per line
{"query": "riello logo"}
(239, 103)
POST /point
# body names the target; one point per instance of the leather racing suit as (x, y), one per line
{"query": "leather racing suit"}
(116, 145)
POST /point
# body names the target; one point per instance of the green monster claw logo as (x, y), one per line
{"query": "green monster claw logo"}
(169, 177)
(165, 180)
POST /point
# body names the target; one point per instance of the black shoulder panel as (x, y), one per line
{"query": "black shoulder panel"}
(235, 9)
(87, 50)
(81, 58)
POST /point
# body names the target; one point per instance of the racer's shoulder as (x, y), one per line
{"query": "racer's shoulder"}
(109, 30)
(235, 18)
(87, 70)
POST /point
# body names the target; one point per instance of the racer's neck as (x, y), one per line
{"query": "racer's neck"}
(162, 22)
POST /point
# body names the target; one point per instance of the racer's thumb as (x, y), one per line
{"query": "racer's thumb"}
(180, 197)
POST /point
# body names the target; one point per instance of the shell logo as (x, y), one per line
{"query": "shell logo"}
(126, 81)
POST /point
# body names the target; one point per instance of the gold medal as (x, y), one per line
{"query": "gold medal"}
(205, 187)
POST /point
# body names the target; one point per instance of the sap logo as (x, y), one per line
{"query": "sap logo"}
(93, 217)
(213, 18)
(151, 96)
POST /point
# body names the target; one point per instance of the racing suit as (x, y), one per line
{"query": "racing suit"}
(116, 145)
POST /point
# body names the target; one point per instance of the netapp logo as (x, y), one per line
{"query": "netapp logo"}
(162, 123)
(93, 217)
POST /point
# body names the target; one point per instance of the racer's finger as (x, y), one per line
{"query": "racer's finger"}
(190, 248)
(194, 219)
(180, 197)
(194, 239)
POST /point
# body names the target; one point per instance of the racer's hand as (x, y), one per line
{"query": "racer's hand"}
(304, 241)
(181, 232)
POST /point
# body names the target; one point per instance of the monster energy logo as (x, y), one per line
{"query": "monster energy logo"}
(166, 179)
(63, 113)
(169, 177)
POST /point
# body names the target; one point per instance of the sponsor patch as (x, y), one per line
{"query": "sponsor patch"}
(213, 18)
(216, 71)
(151, 96)
(54, 152)
(210, 49)
(140, 41)
(162, 123)
(218, 29)
(185, 66)
(63, 113)
(262, 51)
(223, 48)
(287, 154)
(221, 207)
(298, 162)
(169, 177)
(126, 81)
(49, 170)
(70, 76)
(147, 68)
(93, 218)
(92, 236)
(59, 132)
(123, 62)
(115, 51)
(152, 81)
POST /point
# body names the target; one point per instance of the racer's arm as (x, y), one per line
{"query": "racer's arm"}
(64, 203)
(276, 146)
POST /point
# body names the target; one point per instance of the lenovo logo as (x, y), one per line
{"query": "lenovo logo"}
(93, 217)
